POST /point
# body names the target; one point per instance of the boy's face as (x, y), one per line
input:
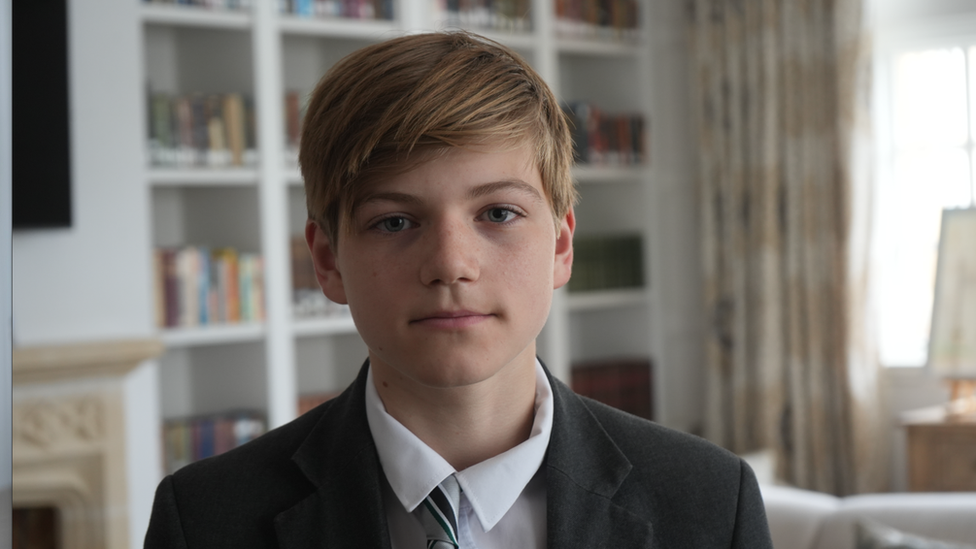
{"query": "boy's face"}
(449, 268)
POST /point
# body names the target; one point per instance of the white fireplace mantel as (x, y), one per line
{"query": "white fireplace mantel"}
(69, 436)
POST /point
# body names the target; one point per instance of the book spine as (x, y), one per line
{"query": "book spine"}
(203, 284)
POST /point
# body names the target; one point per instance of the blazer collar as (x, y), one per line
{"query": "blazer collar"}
(585, 469)
(340, 459)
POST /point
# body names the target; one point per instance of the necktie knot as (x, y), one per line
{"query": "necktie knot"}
(438, 514)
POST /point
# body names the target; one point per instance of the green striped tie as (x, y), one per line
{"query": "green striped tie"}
(438, 514)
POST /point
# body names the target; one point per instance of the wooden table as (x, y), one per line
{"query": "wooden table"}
(941, 451)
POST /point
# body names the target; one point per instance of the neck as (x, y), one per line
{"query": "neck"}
(467, 424)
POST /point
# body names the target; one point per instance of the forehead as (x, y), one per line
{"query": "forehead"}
(467, 172)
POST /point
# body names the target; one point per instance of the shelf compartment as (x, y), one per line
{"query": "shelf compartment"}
(309, 327)
(366, 29)
(195, 17)
(197, 177)
(212, 334)
(606, 299)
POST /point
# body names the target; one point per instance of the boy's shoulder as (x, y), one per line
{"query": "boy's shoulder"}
(265, 462)
(643, 440)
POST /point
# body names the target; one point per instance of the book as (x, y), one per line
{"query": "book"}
(611, 20)
(236, 5)
(308, 299)
(349, 9)
(601, 138)
(196, 286)
(607, 262)
(197, 130)
(512, 16)
(624, 383)
(190, 439)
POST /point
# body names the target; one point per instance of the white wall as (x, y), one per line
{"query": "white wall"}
(92, 281)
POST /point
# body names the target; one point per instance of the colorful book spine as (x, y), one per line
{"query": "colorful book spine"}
(196, 286)
(196, 130)
(296, 103)
(606, 139)
(349, 9)
(186, 440)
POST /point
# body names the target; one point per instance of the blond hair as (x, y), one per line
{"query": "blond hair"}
(388, 107)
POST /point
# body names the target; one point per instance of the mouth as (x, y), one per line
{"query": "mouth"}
(451, 320)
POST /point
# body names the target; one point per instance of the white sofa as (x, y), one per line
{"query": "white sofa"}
(801, 519)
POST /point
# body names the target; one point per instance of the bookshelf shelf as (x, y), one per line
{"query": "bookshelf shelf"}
(307, 327)
(230, 177)
(367, 29)
(214, 334)
(195, 17)
(599, 48)
(610, 174)
(607, 299)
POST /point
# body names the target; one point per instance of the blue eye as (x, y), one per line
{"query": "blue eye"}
(393, 224)
(499, 215)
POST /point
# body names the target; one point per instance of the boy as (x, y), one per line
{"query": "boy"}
(437, 174)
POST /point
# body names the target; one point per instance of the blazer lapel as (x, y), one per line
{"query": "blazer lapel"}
(340, 460)
(584, 469)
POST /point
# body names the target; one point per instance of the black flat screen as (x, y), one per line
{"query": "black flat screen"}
(41, 186)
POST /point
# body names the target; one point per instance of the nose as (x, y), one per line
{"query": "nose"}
(450, 253)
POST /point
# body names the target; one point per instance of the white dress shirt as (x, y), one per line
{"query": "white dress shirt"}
(503, 499)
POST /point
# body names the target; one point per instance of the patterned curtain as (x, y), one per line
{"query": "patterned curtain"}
(782, 98)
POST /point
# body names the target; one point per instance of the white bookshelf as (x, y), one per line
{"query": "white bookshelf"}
(212, 334)
(264, 54)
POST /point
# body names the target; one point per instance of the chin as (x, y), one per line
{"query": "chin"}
(453, 373)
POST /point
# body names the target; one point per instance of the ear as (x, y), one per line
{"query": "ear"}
(563, 265)
(326, 263)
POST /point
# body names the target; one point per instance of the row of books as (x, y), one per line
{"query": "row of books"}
(191, 439)
(500, 15)
(198, 286)
(607, 262)
(208, 4)
(600, 138)
(601, 19)
(212, 130)
(308, 299)
(625, 384)
(352, 9)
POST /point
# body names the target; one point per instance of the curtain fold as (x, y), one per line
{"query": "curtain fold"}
(782, 88)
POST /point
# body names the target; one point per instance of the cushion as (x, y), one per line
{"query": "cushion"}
(874, 535)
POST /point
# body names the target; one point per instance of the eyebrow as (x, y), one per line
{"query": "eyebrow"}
(512, 184)
(479, 191)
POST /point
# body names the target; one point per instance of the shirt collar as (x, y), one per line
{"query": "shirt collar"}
(413, 469)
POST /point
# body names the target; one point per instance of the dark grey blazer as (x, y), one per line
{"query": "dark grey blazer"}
(612, 480)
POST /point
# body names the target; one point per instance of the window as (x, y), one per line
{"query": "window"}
(926, 132)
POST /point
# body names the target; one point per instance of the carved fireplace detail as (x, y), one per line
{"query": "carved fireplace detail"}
(69, 436)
